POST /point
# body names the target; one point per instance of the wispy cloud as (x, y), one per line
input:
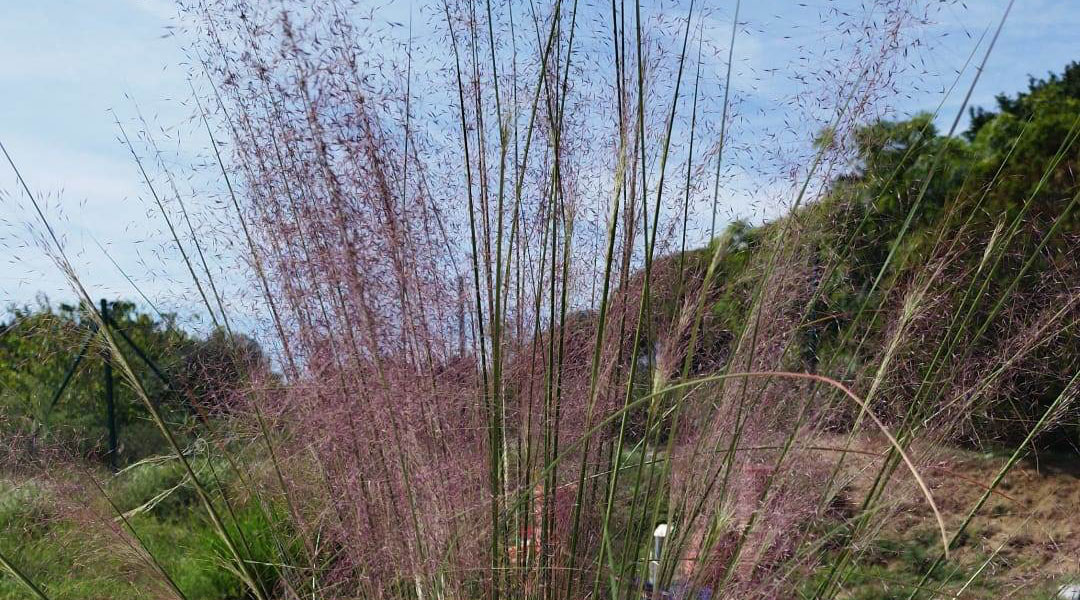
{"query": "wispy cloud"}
(68, 64)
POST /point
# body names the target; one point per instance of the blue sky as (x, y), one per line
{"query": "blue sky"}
(67, 64)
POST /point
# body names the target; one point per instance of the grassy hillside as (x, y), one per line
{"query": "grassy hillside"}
(980, 231)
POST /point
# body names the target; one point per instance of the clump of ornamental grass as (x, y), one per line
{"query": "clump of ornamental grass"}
(497, 364)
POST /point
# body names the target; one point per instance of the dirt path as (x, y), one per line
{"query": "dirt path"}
(1024, 543)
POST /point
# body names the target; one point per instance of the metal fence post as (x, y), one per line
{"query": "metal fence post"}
(110, 401)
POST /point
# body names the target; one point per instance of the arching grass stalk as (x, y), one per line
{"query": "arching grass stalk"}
(240, 562)
(988, 379)
(139, 547)
(942, 349)
(953, 336)
(573, 447)
(896, 242)
(229, 456)
(31, 587)
(894, 246)
(1017, 454)
(787, 444)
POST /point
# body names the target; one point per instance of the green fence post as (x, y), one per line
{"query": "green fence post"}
(110, 403)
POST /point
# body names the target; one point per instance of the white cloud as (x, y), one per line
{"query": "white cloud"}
(67, 64)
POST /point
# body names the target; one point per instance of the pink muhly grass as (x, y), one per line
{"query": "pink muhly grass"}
(437, 262)
(495, 369)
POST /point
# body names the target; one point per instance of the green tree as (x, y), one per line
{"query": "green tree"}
(40, 345)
